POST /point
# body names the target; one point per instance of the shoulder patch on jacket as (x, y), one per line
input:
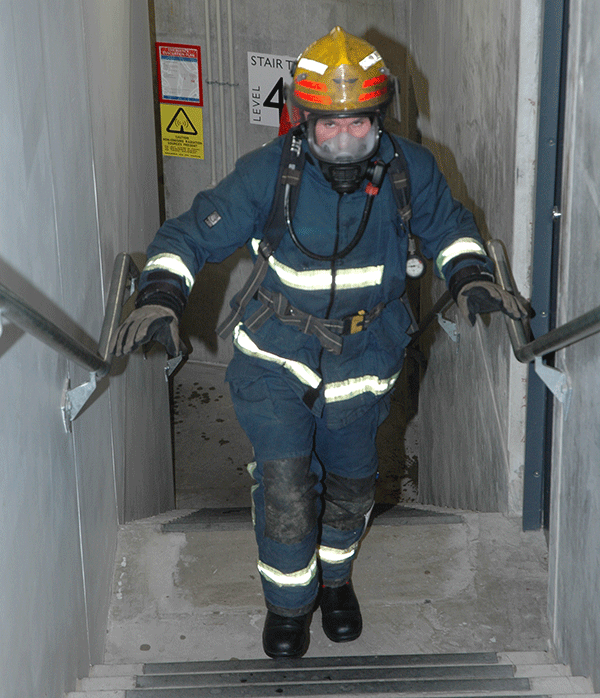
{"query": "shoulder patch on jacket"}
(212, 219)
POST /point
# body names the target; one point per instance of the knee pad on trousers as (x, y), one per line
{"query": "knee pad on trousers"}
(348, 501)
(290, 499)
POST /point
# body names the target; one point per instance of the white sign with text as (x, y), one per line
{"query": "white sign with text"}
(267, 75)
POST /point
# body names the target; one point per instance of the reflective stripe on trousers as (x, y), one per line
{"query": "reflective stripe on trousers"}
(296, 552)
(300, 578)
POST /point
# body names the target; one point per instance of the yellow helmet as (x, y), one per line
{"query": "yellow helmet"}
(340, 74)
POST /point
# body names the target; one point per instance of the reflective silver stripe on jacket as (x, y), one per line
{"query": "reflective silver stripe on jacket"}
(301, 578)
(321, 279)
(458, 247)
(335, 555)
(333, 392)
(302, 372)
(173, 263)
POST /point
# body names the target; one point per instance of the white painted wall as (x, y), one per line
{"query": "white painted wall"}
(575, 509)
(77, 186)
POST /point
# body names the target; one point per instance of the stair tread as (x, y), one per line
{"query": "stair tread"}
(317, 662)
(451, 675)
(361, 674)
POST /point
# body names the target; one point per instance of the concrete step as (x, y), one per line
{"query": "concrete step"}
(528, 674)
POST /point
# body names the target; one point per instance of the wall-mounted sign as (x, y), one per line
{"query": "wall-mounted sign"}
(180, 97)
(179, 74)
(267, 75)
(181, 131)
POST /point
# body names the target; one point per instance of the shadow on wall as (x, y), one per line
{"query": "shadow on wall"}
(415, 123)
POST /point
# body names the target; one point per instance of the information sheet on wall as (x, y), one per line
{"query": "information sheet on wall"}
(267, 75)
(180, 97)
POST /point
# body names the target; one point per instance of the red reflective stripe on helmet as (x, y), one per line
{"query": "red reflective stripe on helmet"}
(372, 95)
(374, 81)
(317, 99)
(321, 86)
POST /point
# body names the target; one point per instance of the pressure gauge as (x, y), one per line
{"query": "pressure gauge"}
(415, 266)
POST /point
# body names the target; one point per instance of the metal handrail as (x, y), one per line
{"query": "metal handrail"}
(18, 311)
(125, 272)
(98, 362)
(571, 332)
(442, 304)
(526, 350)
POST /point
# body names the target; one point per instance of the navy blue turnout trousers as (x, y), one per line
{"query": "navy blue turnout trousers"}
(314, 489)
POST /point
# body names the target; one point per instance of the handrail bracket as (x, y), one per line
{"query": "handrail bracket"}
(172, 364)
(449, 328)
(75, 399)
(556, 381)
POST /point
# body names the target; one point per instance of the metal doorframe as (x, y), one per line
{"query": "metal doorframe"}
(538, 445)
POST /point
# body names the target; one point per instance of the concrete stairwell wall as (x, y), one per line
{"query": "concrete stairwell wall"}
(77, 186)
(474, 71)
(575, 509)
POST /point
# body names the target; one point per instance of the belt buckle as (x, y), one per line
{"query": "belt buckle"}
(357, 322)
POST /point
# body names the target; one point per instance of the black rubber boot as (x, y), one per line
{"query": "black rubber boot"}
(342, 621)
(286, 636)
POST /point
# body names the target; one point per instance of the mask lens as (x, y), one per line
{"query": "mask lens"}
(343, 140)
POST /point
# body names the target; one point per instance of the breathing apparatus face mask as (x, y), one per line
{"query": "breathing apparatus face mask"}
(343, 146)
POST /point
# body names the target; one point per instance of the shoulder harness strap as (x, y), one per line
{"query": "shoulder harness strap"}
(398, 174)
(290, 174)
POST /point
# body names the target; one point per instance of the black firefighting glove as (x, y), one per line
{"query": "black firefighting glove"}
(147, 323)
(486, 297)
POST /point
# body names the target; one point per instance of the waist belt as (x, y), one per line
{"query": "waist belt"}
(330, 333)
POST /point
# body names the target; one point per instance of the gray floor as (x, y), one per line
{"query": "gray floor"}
(211, 450)
(475, 585)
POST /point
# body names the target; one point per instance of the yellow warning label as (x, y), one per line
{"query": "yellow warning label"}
(181, 131)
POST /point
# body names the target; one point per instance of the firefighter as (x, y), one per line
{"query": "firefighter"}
(320, 328)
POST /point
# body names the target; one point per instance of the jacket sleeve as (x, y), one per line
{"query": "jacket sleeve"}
(445, 228)
(219, 221)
